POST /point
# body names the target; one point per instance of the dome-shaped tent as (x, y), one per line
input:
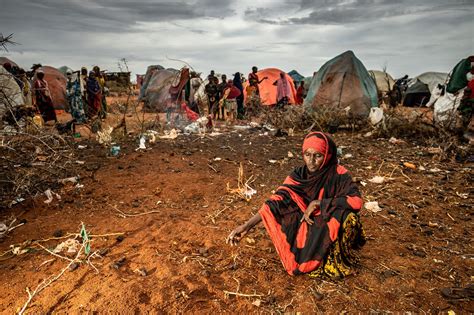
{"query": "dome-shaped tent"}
(10, 91)
(268, 91)
(343, 82)
(57, 86)
(383, 80)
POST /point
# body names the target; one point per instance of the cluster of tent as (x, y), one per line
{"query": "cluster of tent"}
(11, 90)
(342, 83)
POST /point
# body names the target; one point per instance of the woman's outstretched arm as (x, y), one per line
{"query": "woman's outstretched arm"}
(239, 232)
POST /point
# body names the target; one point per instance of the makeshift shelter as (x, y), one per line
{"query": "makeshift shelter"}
(297, 78)
(146, 80)
(156, 95)
(268, 91)
(64, 70)
(4, 60)
(343, 83)
(10, 93)
(458, 78)
(57, 86)
(419, 88)
(383, 81)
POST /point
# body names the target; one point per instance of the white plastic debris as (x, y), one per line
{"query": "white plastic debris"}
(141, 146)
(368, 134)
(217, 159)
(172, 134)
(363, 183)
(73, 180)
(372, 206)
(377, 179)
(376, 115)
(18, 250)
(70, 245)
(80, 162)
(81, 147)
(347, 156)
(105, 136)
(249, 192)
(151, 135)
(290, 154)
(272, 161)
(18, 200)
(394, 140)
(239, 127)
(50, 195)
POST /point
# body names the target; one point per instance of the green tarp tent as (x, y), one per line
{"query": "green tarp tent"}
(458, 78)
(297, 78)
(343, 82)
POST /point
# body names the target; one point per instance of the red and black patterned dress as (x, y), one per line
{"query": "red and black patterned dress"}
(328, 243)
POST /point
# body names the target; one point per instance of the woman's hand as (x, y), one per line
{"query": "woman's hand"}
(309, 210)
(237, 234)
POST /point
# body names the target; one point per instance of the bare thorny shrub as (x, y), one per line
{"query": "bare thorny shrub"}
(299, 118)
(32, 159)
(418, 126)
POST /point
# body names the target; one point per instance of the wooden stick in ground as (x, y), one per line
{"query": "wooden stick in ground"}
(47, 282)
(125, 215)
(227, 293)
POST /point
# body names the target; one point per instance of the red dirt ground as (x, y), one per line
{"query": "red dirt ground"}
(420, 242)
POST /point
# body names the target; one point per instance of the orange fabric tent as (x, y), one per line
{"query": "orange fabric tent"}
(268, 91)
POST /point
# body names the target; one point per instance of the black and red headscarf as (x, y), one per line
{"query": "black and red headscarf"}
(302, 247)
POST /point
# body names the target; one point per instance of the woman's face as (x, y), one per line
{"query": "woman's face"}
(313, 159)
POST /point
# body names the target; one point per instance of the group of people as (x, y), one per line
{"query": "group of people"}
(226, 98)
(85, 92)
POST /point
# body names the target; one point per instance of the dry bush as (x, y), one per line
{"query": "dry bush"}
(299, 118)
(31, 163)
(417, 125)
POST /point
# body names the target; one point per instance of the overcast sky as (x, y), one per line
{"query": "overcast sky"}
(406, 36)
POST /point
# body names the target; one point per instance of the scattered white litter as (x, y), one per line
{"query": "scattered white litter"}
(73, 180)
(377, 179)
(70, 245)
(50, 195)
(172, 134)
(249, 192)
(290, 154)
(272, 161)
(394, 140)
(141, 146)
(372, 206)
